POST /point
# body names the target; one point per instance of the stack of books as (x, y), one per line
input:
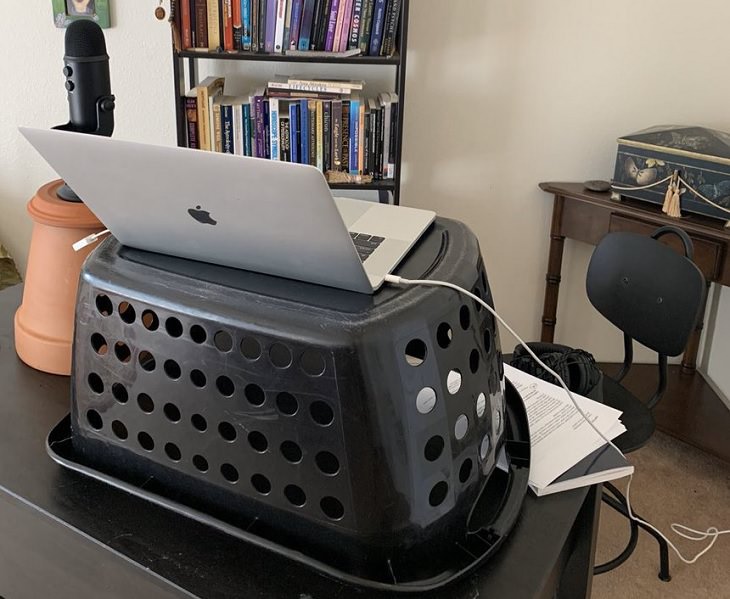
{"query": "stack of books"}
(326, 123)
(340, 27)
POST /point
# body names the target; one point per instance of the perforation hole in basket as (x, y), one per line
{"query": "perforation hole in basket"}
(474, 361)
(150, 321)
(197, 378)
(94, 419)
(287, 404)
(122, 352)
(487, 341)
(426, 400)
(227, 431)
(147, 361)
(198, 334)
(321, 413)
(280, 355)
(119, 392)
(481, 405)
(172, 369)
(291, 452)
(438, 493)
(225, 386)
(444, 335)
(145, 441)
(464, 317)
(173, 327)
(258, 441)
(312, 362)
(145, 403)
(173, 452)
(332, 508)
(126, 312)
(478, 292)
(461, 426)
(433, 448)
(254, 394)
(415, 352)
(104, 305)
(200, 462)
(295, 494)
(172, 412)
(199, 422)
(250, 348)
(261, 484)
(119, 429)
(229, 472)
(453, 381)
(327, 463)
(95, 383)
(99, 344)
(223, 341)
(465, 470)
(484, 447)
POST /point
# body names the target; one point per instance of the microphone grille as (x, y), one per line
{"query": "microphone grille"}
(84, 38)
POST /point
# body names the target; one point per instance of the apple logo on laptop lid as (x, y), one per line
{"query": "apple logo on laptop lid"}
(202, 216)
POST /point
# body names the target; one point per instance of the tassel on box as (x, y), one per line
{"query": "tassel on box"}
(668, 195)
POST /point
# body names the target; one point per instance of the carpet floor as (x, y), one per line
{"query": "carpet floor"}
(673, 482)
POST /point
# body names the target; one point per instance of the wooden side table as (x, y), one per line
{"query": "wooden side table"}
(589, 216)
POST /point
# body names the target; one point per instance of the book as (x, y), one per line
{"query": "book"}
(312, 119)
(201, 24)
(246, 24)
(279, 26)
(316, 41)
(378, 149)
(322, 53)
(566, 452)
(270, 25)
(294, 131)
(304, 131)
(260, 128)
(294, 27)
(213, 16)
(334, 84)
(247, 135)
(393, 136)
(262, 24)
(237, 8)
(372, 133)
(384, 99)
(354, 37)
(191, 118)
(227, 134)
(309, 86)
(274, 149)
(227, 17)
(361, 138)
(319, 115)
(267, 129)
(305, 29)
(284, 139)
(336, 135)
(339, 24)
(345, 152)
(187, 32)
(206, 90)
(345, 33)
(254, 25)
(326, 135)
(354, 133)
(365, 169)
(367, 20)
(287, 25)
(331, 25)
(390, 28)
(376, 32)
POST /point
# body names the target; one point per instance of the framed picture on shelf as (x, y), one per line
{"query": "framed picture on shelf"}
(67, 11)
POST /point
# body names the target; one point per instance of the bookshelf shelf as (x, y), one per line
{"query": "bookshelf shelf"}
(185, 71)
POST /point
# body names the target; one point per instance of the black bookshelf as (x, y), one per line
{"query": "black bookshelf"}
(386, 188)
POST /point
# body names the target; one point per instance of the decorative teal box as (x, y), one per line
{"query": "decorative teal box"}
(646, 161)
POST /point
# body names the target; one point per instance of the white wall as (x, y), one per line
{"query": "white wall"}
(501, 94)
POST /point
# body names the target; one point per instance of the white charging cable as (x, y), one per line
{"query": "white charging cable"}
(684, 531)
(88, 240)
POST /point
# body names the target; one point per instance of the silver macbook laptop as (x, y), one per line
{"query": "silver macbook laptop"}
(256, 214)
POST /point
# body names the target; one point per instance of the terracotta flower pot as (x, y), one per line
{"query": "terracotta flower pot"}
(44, 323)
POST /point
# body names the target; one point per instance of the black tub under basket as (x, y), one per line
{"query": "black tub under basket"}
(357, 434)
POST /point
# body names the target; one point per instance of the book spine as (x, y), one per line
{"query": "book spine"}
(366, 26)
(215, 132)
(379, 144)
(345, 135)
(354, 135)
(237, 131)
(346, 21)
(294, 130)
(284, 139)
(320, 141)
(275, 150)
(361, 138)
(246, 123)
(338, 26)
(262, 24)
(214, 15)
(393, 134)
(296, 22)
(304, 131)
(237, 24)
(365, 170)
(267, 129)
(354, 38)
(203, 119)
(331, 25)
(227, 141)
(246, 25)
(376, 33)
(191, 118)
(386, 136)
(270, 27)
(326, 136)
(306, 27)
(390, 28)
(187, 33)
(312, 111)
(287, 25)
(254, 25)
(279, 26)
(336, 135)
(315, 37)
(371, 144)
(227, 6)
(260, 129)
(201, 23)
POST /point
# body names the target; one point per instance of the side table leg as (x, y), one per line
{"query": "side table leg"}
(689, 359)
(552, 278)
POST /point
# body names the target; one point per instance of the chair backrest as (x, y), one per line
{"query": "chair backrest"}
(646, 289)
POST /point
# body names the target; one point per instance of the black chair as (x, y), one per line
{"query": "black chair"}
(654, 296)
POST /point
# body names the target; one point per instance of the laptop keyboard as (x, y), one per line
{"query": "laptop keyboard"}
(365, 244)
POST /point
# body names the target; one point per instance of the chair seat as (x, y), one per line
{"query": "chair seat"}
(637, 418)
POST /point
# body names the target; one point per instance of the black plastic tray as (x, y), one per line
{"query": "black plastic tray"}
(493, 515)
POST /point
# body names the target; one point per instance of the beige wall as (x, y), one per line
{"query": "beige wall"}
(501, 94)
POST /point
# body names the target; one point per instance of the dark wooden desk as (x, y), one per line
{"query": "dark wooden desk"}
(690, 410)
(67, 536)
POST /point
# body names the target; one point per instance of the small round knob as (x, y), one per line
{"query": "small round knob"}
(70, 85)
(107, 105)
(67, 71)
